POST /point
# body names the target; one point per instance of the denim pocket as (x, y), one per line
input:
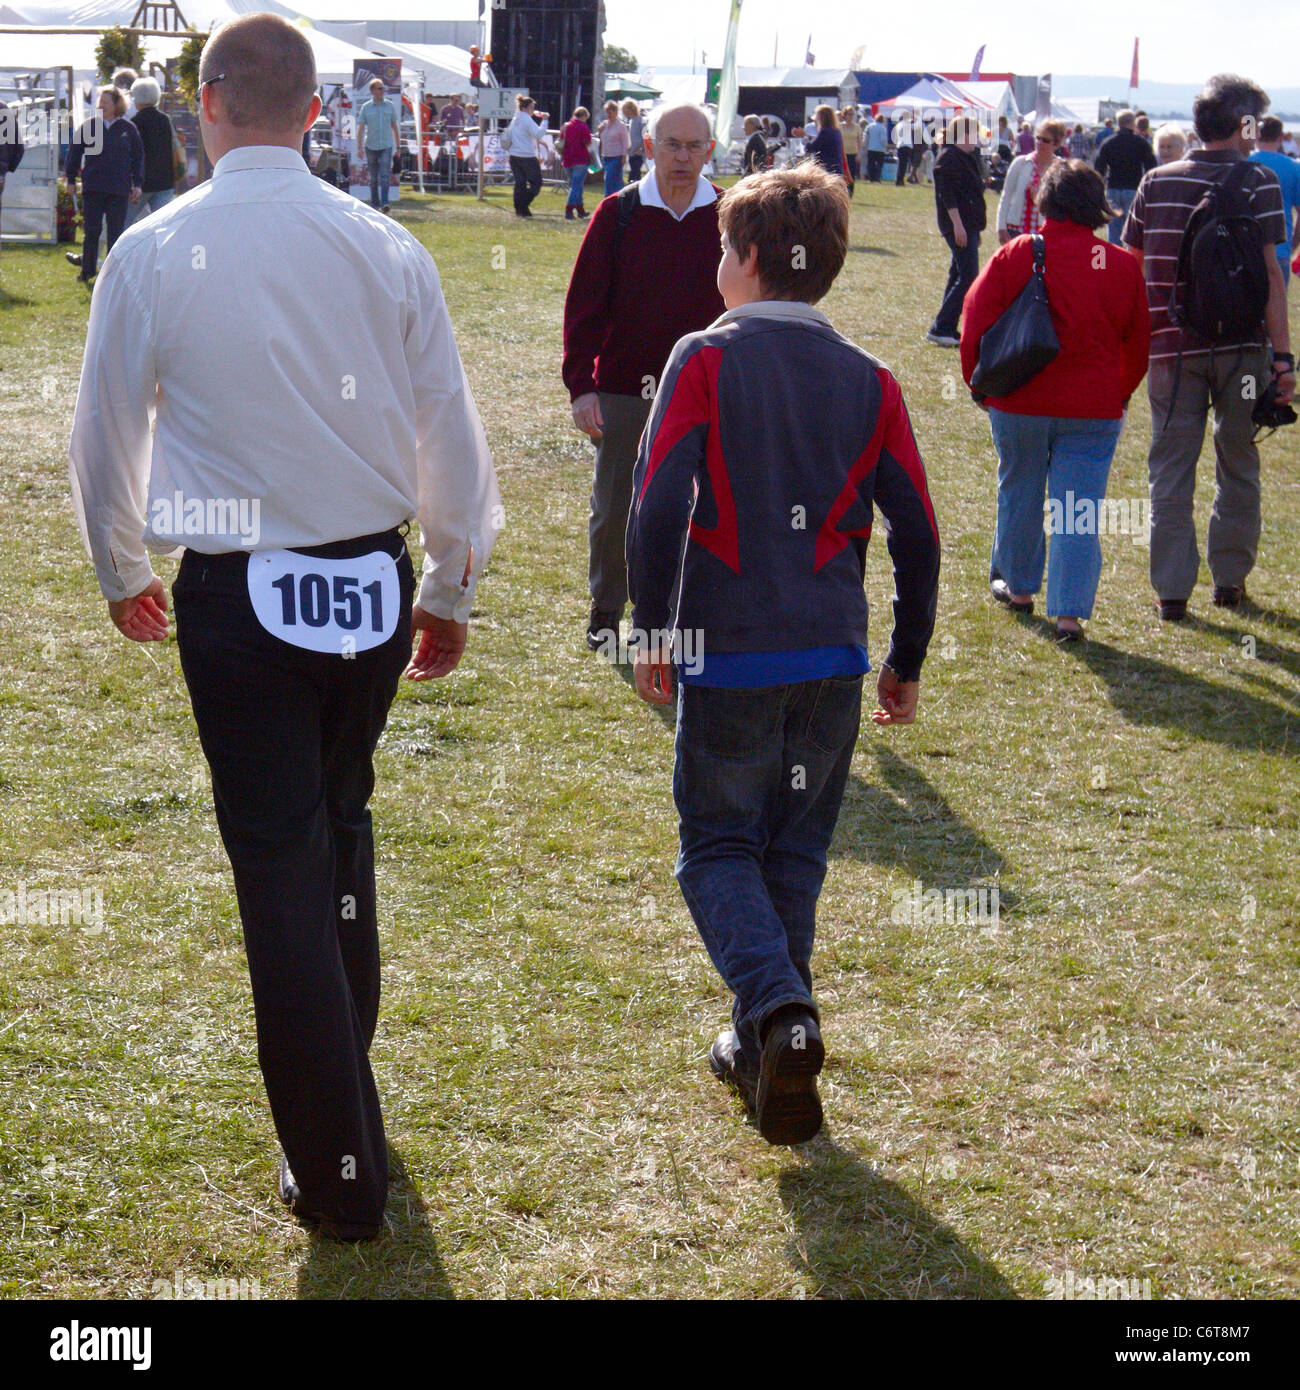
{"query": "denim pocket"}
(836, 713)
(732, 723)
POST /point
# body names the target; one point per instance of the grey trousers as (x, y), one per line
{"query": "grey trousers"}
(1231, 387)
(611, 499)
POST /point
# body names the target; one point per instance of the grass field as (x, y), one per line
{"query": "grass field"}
(1100, 1086)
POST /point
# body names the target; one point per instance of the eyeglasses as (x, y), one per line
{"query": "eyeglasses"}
(690, 146)
(1044, 139)
(220, 77)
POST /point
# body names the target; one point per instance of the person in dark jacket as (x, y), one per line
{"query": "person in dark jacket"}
(11, 145)
(827, 146)
(766, 617)
(159, 140)
(109, 157)
(1122, 161)
(754, 159)
(1058, 432)
(959, 204)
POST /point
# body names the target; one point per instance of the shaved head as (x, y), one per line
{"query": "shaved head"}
(264, 69)
(684, 121)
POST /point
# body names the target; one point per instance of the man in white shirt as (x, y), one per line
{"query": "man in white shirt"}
(221, 408)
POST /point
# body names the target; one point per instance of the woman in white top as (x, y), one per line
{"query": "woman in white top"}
(615, 141)
(522, 143)
(1018, 208)
(636, 135)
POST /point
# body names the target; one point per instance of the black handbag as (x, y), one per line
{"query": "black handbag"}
(1022, 341)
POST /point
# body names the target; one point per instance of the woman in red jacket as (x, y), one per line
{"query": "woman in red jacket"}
(1057, 434)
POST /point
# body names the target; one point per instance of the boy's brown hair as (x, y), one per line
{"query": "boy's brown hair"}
(799, 220)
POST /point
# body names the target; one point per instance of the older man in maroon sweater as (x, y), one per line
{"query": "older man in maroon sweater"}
(640, 282)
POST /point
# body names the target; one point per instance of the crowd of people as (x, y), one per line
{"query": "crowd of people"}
(690, 334)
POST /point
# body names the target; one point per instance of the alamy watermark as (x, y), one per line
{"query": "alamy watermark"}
(52, 907)
(687, 646)
(220, 1289)
(178, 515)
(918, 906)
(1073, 1288)
(1107, 516)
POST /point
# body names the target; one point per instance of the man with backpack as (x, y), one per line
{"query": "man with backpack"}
(1204, 230)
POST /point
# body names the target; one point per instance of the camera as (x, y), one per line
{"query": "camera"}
(1268, 414)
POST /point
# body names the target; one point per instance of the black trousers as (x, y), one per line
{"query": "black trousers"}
(904, 158)
(875, 164)
(528, 181)
(290, 735)
(963, 269)
(98, 209)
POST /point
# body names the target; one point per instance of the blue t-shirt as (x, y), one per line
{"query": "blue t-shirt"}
(758, 670)
(877, 137)
(1288, 175)
(378, 118)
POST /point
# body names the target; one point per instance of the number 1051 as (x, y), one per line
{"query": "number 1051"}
(308, 600)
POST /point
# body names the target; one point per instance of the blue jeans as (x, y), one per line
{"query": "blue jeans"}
(1070, 459)
(962, 271)
(613, 173)
(1121, 199)
(577, 184)
(379, 165)
(150, 202)
(758, 781)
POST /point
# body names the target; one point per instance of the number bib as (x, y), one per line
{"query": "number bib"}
(336, 606)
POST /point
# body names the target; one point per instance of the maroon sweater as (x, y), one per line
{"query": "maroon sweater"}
(620, 323)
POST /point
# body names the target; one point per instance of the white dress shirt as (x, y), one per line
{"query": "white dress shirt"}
(705, 193)
(270, 339)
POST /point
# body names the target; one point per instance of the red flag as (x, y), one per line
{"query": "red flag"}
(1133, 76)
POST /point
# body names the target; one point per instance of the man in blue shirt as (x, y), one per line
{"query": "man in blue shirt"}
(377, 138)
(1268, 151)
(877, 145)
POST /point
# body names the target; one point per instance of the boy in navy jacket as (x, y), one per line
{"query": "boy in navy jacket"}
(770, 441)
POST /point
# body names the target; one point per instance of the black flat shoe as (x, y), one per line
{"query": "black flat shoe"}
(602, 628)
(324, 1225)
(1002, 592)
(1229, 595)
(789, 1108)
(723, 1055)
(1171, 610)
(1069, 634)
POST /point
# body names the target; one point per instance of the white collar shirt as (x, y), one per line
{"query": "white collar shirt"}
(705, 193)
(269, 342)
(526, 135)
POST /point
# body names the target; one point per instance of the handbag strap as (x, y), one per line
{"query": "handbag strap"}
(1040, 263)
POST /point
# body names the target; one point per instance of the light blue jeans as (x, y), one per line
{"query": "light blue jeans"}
(1069, 462)
(577, 184)
(1121, 199)
(613, 173)
(151, 202)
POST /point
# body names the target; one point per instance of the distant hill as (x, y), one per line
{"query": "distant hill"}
(1163, 98)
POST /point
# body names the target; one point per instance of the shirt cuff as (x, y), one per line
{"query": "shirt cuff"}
(124, 581)
(448, 601)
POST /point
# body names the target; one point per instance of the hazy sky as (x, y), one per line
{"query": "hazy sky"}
(1182, 40)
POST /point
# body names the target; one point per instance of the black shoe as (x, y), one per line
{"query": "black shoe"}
(1229, 595)
(602, 628)
(1069, 634)
(325, 1225)
(723, 1055)
(1002, 592)
(789, 1108)
(72, 257)
(1171, 610)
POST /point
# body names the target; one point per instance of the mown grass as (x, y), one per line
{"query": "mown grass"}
(1105, 1084)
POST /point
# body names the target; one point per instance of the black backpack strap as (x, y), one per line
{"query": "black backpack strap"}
(629, 199)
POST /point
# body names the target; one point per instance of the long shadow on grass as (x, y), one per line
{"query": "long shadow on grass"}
(1150, 692)
(403, 1263)
(860, 1235)
(900, 819)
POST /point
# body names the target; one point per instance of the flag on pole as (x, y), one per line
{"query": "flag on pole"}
(728, 94)
(975, 66)
(808, 60)
(1133, 76)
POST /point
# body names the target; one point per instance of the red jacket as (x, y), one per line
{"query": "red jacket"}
(621, 321)
(1099, 311)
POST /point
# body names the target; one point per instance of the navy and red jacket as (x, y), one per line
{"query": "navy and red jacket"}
(771, 439)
